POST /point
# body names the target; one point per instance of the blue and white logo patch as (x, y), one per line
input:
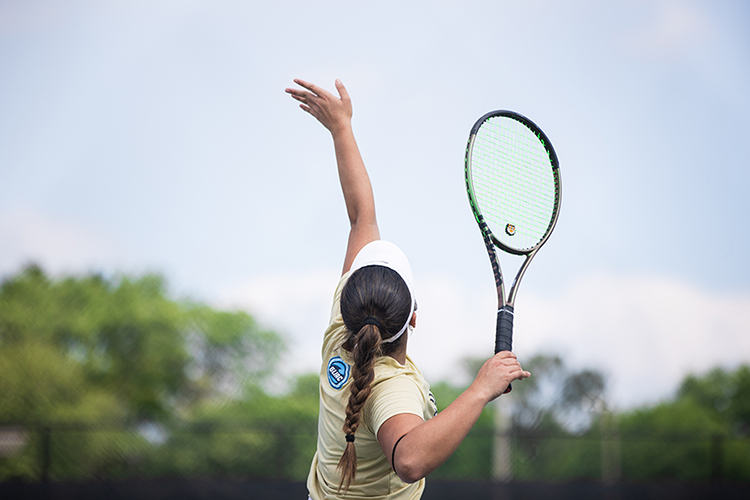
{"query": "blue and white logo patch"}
(338, 372)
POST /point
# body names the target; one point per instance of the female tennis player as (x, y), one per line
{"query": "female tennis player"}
(379, 432)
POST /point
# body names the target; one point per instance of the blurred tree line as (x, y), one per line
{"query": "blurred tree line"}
(113, 378)
(562, 428)
(97, 354)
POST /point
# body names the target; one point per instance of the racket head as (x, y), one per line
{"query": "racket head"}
(513, 180)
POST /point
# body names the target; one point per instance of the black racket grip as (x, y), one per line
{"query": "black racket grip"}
(504, 333)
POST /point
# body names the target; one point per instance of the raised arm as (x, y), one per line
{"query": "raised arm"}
(425, 445)
(335, 113)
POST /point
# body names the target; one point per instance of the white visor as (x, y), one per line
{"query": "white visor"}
(386, 254)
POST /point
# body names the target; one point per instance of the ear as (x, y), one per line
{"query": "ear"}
(413, 321)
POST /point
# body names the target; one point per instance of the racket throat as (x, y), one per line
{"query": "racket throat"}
(499, 283)
(505, 309)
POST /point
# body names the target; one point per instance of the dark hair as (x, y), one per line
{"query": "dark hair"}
(374, 292)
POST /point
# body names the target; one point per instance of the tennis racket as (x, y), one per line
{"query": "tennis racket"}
(513, 181)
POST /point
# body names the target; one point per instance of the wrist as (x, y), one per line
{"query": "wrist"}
(341, 128)
(477, 394)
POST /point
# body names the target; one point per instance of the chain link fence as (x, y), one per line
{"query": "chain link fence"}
(56, 452)
(112, 381)
(76, 452)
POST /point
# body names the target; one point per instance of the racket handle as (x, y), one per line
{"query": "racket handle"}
(504, 333)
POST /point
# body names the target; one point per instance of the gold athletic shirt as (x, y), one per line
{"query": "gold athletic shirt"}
(396, 389)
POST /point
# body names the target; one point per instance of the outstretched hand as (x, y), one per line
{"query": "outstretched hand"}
(333, 112)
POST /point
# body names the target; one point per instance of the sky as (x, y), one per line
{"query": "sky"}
(141, 137)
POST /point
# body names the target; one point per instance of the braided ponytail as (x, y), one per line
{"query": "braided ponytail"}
(375, 304)
(366, 350)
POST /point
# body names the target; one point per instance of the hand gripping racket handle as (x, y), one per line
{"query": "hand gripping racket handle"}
(504, 332)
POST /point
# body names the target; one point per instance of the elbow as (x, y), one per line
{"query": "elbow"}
(363, 221)
(410, 470)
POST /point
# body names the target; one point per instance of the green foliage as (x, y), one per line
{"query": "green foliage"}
(562, 430)
(724, 394)
(702, 434)
(112, 377)
(258, 435)
(557, 398)
(556, 456)
(87, 350)
(554, 433)
(543, 448)
(670, 440)
(125, 337)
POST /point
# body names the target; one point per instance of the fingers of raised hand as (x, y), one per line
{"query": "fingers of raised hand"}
(343, 93)
(315, 92)
(309, 86)
(305, 98)
(300, 95)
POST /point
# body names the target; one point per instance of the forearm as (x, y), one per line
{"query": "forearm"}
(355, 182)
(335, 114)
(428, 445)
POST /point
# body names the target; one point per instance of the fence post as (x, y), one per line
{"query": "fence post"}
(502, 467)
(45, 459)
(610, 449)
(45, 456)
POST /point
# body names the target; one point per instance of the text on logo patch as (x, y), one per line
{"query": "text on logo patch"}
(338, 372)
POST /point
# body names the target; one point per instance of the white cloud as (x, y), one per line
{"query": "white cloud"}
(671, 29)
(295, 305)
(645, 333)
(453, 322)
(57, 244)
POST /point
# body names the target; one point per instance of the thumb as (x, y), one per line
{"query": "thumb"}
(342, 90)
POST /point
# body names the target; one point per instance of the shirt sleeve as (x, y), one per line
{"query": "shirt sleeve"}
(391, 397)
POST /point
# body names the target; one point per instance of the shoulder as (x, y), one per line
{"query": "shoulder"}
(396, 389)
(335, 333)
(394, 380)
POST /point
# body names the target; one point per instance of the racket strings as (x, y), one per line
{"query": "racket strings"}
(531, 211)
(517, 182)
(540, 201)
(513, 182)
(520, 223)
(511, 147)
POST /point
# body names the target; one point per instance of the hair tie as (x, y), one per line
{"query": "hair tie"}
(350, 438)
(372, 320)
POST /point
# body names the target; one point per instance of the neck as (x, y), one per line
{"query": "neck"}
(400, 355)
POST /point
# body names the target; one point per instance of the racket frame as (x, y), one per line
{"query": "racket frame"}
(503, 341)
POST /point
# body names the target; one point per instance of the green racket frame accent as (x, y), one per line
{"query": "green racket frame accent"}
(512, 176)
(504, 333)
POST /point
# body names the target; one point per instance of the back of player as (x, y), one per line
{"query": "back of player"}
(379, 433)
